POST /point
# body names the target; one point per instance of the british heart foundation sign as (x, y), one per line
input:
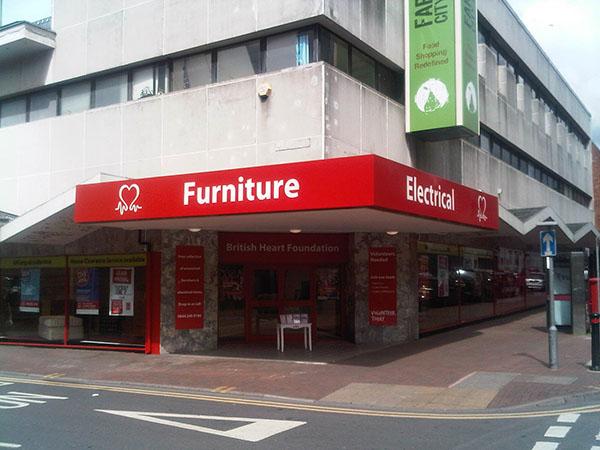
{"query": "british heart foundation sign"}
(382, 286)
(189, 287)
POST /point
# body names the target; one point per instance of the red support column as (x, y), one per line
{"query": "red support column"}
(152, 296)
(67, 301)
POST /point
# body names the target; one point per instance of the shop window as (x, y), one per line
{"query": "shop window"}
(287, 50)
(75, 98)
(13, 112)
(192, 71)
(42, 105)
(110, 90)
(231, 301)
(363, 67)
(240, 61)
(142, 83)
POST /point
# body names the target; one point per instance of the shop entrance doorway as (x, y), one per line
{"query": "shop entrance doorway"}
(262, 276)
(276, 291)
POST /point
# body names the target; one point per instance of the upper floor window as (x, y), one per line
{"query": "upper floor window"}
(75, 98)
(239, 61)
(43, 105)
(363, 67)
(288, 50)
(13, 112)
(192, 71)
(110, 90)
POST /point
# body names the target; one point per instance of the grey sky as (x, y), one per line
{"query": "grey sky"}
(569, 33)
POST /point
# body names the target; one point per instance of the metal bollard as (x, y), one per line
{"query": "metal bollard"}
(595, 325)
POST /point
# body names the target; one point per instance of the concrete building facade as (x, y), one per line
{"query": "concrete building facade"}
(133, 89)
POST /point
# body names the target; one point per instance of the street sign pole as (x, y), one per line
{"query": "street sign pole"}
(552, 331)
(549, 249)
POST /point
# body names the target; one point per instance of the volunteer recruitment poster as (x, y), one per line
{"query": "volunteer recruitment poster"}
(87, 291)
(121, 291)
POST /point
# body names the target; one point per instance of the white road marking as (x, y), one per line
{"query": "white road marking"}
(4, 383)
(595, 447)
(14, 400)
(461, 380)
(568, 418)
(9, 445)
(557, 432)
(545, 446)
(255, 431)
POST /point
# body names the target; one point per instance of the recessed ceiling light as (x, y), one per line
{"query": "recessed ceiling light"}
(195, 230)
(295, 230)
(392, 232)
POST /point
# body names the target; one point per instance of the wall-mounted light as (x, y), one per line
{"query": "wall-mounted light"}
(194, 230)
(391, 232)
(264, 91)
(295, 230)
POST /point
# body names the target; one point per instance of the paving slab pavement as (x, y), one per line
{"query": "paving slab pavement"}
(494, 364)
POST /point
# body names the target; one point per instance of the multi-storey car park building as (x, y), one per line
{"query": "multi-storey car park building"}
(236, 160)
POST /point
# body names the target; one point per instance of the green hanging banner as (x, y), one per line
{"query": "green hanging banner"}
(442, 83)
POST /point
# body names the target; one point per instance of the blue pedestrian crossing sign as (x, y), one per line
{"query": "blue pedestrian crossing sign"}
(548, 243)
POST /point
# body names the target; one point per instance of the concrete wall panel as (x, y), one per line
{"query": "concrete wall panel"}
(232, 114)
(185, 122)
(188, 15)
(105, 42)
(103, 137)
(68, 12)
(143, 31)
(67, 142)
(230, 18)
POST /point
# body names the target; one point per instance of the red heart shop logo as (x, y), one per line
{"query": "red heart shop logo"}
(128, 195)
(481, 207)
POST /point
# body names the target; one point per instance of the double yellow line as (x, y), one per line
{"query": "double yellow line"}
(308, 407)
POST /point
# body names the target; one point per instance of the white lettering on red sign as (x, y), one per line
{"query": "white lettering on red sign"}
(245, 190)
(429, 195)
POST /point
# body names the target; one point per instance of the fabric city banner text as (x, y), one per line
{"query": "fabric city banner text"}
(366, 181)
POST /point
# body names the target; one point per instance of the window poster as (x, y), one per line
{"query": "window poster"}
(30, 290)
(443, 282)
(87, 291)
(328, 281)
(121, 291)
(232, 282)
(382, 286)
(189, 287)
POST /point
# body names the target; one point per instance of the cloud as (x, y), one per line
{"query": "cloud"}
(569, 33)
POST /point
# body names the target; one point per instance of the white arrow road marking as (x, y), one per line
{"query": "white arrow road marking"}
(22, 399)
(256, 430)
(9, 445)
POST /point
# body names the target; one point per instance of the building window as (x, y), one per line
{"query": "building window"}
(75, 98)
(335, 51)
(496, 150)
(287, 50)
(240, 61)
(389, 83)
(192, 71)
(363, 67)
(42, 105)
(110, 90)
(142, 83)
(13, 112)
(484, 141)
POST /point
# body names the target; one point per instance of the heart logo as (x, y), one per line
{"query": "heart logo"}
(481, 207)
(128, 195)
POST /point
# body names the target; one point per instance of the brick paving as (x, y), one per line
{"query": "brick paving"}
(503, 358)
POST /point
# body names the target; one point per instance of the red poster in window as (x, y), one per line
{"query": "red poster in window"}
(382, 286)
(189, 287)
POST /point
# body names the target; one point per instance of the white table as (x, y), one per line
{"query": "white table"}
(306, 327)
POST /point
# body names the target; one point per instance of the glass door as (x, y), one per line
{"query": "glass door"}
(274, 291)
